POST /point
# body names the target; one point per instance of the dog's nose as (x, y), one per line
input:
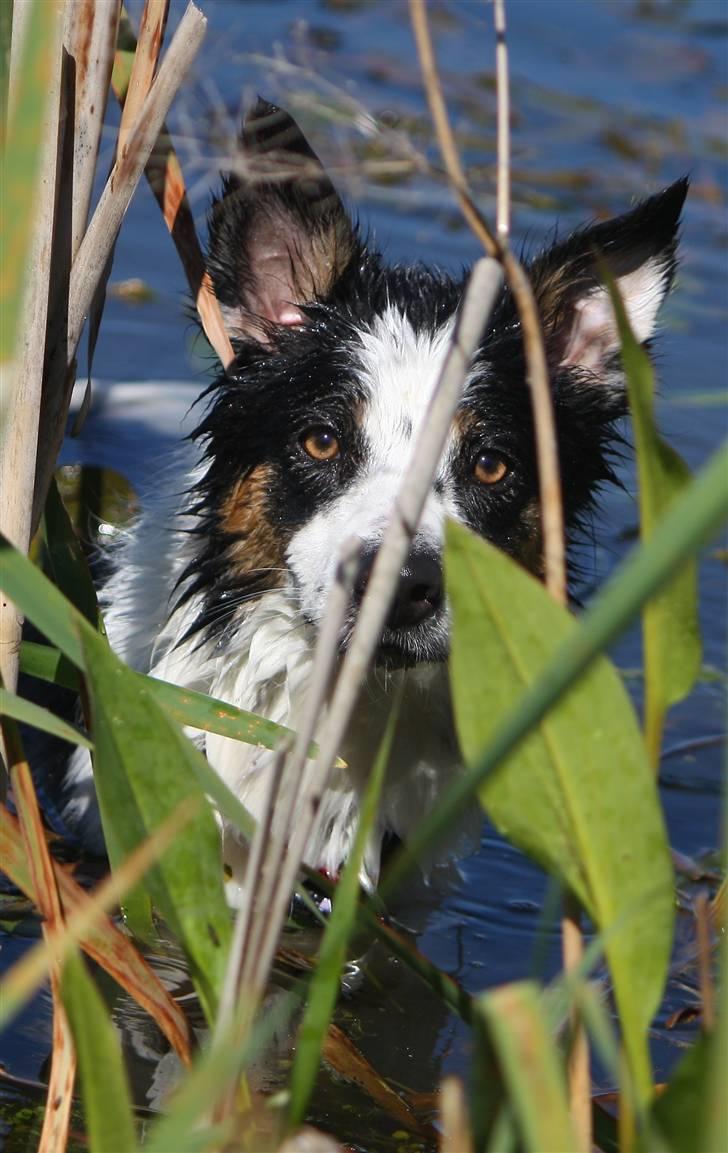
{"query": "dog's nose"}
(419, 592)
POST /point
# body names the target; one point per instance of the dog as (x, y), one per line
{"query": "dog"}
(222, 584)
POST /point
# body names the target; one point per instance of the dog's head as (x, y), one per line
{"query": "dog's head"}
(337, 357)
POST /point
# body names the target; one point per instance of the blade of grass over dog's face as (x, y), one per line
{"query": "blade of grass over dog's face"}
(577, 794)
(670, 621)
(143, 770)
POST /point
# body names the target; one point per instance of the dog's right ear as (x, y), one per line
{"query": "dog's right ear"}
(280, 236)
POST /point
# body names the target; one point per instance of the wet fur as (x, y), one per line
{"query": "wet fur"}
(222, 584)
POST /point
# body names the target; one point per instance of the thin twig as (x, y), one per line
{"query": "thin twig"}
(57, 1117)
(91, 258)
(482, 290)
(295, 819)
(503, 113)
(123, 180)
(22, 379)
(544, 426)
(271, 874)
(578, 1069)
(90, 40)
(707, 990)
(278, 845)
(166, 180)
(89, 916)
(455, 1132)
(149, 43)
(537, 374)
(107, 945)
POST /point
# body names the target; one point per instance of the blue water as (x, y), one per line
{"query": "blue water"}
(611, 100)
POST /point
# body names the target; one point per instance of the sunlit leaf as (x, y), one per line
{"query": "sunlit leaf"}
(672, 648)
(578, 794)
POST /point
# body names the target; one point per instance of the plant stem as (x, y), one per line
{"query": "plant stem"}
(537, 375)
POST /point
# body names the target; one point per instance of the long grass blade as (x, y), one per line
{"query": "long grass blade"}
(104, 1083)
(531, 1066)
(40, 718)
(26, 232)
(672, 648)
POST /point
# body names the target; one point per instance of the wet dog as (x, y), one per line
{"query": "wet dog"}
(222, 584)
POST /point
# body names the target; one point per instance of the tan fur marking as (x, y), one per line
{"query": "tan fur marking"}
(530, 552)
(256, 543)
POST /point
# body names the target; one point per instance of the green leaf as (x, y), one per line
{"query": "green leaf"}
(40, 718)
(531, 1066)
(687, 525)
(671, 631)
(104, 1083)
(215, 716)
(324, 986)
(144, 768)
(578, 794)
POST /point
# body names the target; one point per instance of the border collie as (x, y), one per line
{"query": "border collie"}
(222, 584)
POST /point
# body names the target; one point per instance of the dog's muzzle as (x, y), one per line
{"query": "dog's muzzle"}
(414, 629)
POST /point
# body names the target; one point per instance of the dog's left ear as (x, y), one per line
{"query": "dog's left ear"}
(639, 249)
(280, 236)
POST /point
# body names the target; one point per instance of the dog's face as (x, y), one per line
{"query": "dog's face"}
(337, 358)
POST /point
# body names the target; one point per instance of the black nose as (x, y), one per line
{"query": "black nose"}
(419, 592)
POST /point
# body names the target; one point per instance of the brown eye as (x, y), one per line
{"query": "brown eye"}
(321, 444)
(489, 468)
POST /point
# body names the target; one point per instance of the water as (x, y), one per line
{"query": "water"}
(611, 100)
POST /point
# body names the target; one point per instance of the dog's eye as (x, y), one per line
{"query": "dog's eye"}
(321, 444)
(489, 468)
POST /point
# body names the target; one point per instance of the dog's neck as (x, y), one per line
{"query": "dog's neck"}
(264, 664)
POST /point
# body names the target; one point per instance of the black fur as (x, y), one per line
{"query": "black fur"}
(285, 379)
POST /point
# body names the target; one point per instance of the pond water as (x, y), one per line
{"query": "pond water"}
(612, 99)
